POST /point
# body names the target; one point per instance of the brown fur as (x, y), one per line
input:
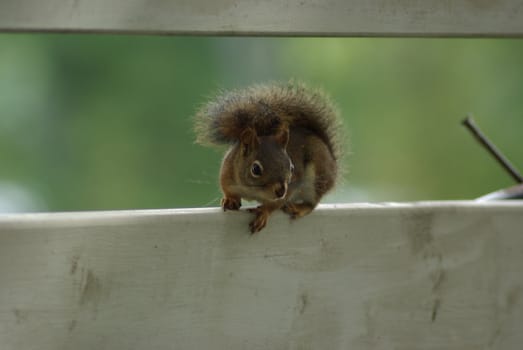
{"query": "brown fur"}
(285, 147)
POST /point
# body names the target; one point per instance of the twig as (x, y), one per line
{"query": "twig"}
(502, 160)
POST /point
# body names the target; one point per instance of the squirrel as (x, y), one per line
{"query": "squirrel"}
(285, 147)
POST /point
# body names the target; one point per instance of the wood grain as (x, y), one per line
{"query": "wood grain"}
(251, 17)
(383, 276)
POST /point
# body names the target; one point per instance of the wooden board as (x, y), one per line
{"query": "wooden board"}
(444, 275)
(253, 17)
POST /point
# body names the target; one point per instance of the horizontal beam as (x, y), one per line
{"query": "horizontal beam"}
(403, 276)
(252, 17)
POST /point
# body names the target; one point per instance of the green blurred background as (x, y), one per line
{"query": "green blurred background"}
(92, 122)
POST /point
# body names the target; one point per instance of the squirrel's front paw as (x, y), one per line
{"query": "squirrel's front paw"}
(231, 203)
(260, 220)
(297, 210)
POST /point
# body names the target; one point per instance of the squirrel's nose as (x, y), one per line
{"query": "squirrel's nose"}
(280, 190)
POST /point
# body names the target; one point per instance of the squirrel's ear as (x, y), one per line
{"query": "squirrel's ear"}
(283, 137)
(248, 141)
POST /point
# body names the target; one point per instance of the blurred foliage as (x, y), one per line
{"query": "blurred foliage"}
(104, 122)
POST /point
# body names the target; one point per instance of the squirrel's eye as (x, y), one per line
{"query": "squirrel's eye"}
(256, 169)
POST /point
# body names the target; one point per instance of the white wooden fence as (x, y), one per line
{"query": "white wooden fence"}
(445, 275)
(290, 17)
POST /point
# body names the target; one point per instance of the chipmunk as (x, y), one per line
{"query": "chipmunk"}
(285, 147)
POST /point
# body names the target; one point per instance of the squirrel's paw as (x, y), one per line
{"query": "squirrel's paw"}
(297, 210)
(231, 203)
(260, 220)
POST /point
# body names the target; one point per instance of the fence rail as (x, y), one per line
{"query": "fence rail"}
(251, 17)
(382, 276)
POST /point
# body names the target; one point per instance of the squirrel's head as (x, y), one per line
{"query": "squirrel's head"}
(265, 166)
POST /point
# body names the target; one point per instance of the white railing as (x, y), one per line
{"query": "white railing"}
(253, 17)
(440, 275)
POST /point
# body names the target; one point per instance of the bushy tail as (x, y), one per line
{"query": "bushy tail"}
(265, 108)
